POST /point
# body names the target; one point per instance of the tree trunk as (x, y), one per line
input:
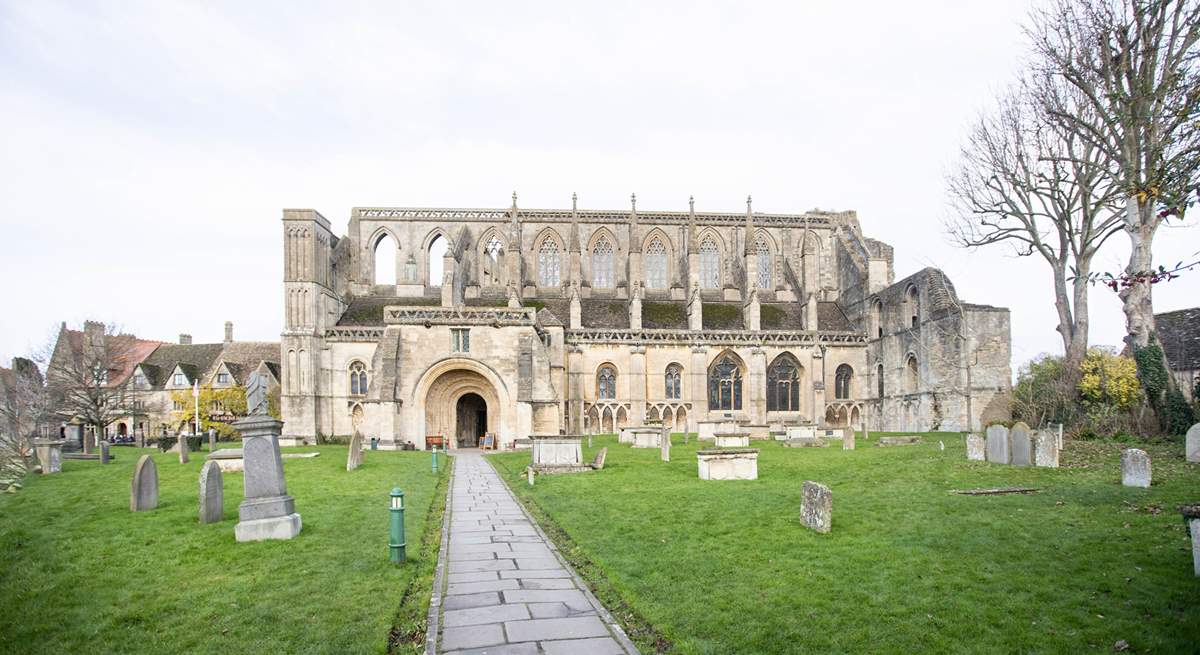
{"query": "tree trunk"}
(1077, 344)
(1138, 305)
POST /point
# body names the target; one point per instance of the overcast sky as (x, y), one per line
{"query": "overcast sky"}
(146, 149)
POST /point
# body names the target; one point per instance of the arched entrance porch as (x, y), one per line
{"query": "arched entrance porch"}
(461, 405)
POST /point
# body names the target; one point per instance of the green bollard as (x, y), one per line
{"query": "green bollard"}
(435, 459)
(396, 542)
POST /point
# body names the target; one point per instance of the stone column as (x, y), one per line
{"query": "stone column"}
(698, 387)
(637, 385)
(755, 395)
(575, 380)
(818, 395)
(49, 454)
(267, 512)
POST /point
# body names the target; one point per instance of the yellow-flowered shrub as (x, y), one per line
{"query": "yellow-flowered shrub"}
(1109, 379)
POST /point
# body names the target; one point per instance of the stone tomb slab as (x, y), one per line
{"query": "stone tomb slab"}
(1022, 445)
(728, 464)
(999, 445)
(976, 447)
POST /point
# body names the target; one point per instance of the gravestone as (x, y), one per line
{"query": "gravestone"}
(183, 449)
(267, 512)
(976, 445)
(999, 445)
(1022, 445)
(1135, 468)
(529, 475)
(144, 494)
(212, 440)
(941, 445)
(664, 441)
(598, 463)
(104, 456)
(848, 439)
(1191, 516)
(1192, 444)
(212, 493)
(816, 507)
(354, 456)
(1045, 449)
(49, 455)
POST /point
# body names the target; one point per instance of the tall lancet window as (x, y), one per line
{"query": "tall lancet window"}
(656, 265)
(783, 385)
(606, 383)
(673, 376)
(710, 264)
(602, 264)
(764, 263)
(549, 264)
(491, 265)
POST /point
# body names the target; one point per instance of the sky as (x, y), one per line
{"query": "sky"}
(148, 148)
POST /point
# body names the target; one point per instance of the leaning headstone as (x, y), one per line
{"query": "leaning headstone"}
(183, 449)
(598, 463)
(999, 446)
(49, 455)
(976, 445)
(1191, 516)
(529, 475)
(1192, 444)
(816, 507)
(267, 512)
(354, 456)
(1045, 449)
(144, 494)
(941, 445)
(1022, 445)
(848, 437)
(212, 493)
(104, 456)
(1135, 468)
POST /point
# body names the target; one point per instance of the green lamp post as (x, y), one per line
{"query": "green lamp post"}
(435, 459)
(396, 542)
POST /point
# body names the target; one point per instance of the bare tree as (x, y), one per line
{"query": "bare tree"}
(1025, 182)
(26, 406)
(87, 374)
(1134, 63)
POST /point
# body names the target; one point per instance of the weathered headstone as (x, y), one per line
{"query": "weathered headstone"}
(49, 455)
(589, 440)
(267, 512)
(354, 456)
(1045, 449)
(1192, 444)
(1191, 516)
(816, 507)
(144, 494)
(598, 463)
(1022, 445)
(212, 493)
(183, 449)
(212, 439)
(848, 438)
(529, 475)
(941, 445)
(104, 456)
(976, 445)
(1135, 468)
(664, 442)
(999, 446)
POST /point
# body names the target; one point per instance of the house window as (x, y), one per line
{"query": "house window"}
(606, 383)
(222, 378)
(673, 377)
(139, 379)
(710, 264)
(180, 380)
(725, 384)
(783, 385)
(358, 379)
(841, 382)
(549, 269)
(177, 405)
(656, 265)
(460, 340)
(764, 263)
(602, 264)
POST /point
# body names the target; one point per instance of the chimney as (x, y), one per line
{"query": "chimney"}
(185, 339)
(228, 332)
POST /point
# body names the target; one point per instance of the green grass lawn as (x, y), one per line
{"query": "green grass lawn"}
(725, 567)
(80, 573)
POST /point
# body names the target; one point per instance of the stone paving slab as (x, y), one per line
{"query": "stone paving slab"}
(502, 588)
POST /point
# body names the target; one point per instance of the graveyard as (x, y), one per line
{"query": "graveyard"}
(696, 566)
(80, 572)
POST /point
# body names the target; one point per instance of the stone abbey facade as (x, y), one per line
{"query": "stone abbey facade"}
(520, 322)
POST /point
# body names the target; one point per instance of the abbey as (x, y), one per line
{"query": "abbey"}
(518, 322)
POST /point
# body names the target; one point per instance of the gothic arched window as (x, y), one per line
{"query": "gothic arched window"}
(763, 253)
(602, 264)
(783, 385)
(710, 264)
(674, 375)
(841, 382)
(358, 379)
(656, 264)
(912, 306)
(879, 374)
(910, 374)
(549, 264)
(606, 383)
(491, 263)
(725, 384)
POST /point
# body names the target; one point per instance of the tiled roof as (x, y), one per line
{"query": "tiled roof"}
(194, 359)
(1179, 334)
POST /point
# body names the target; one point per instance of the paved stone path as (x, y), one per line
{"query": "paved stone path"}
(502, 588)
